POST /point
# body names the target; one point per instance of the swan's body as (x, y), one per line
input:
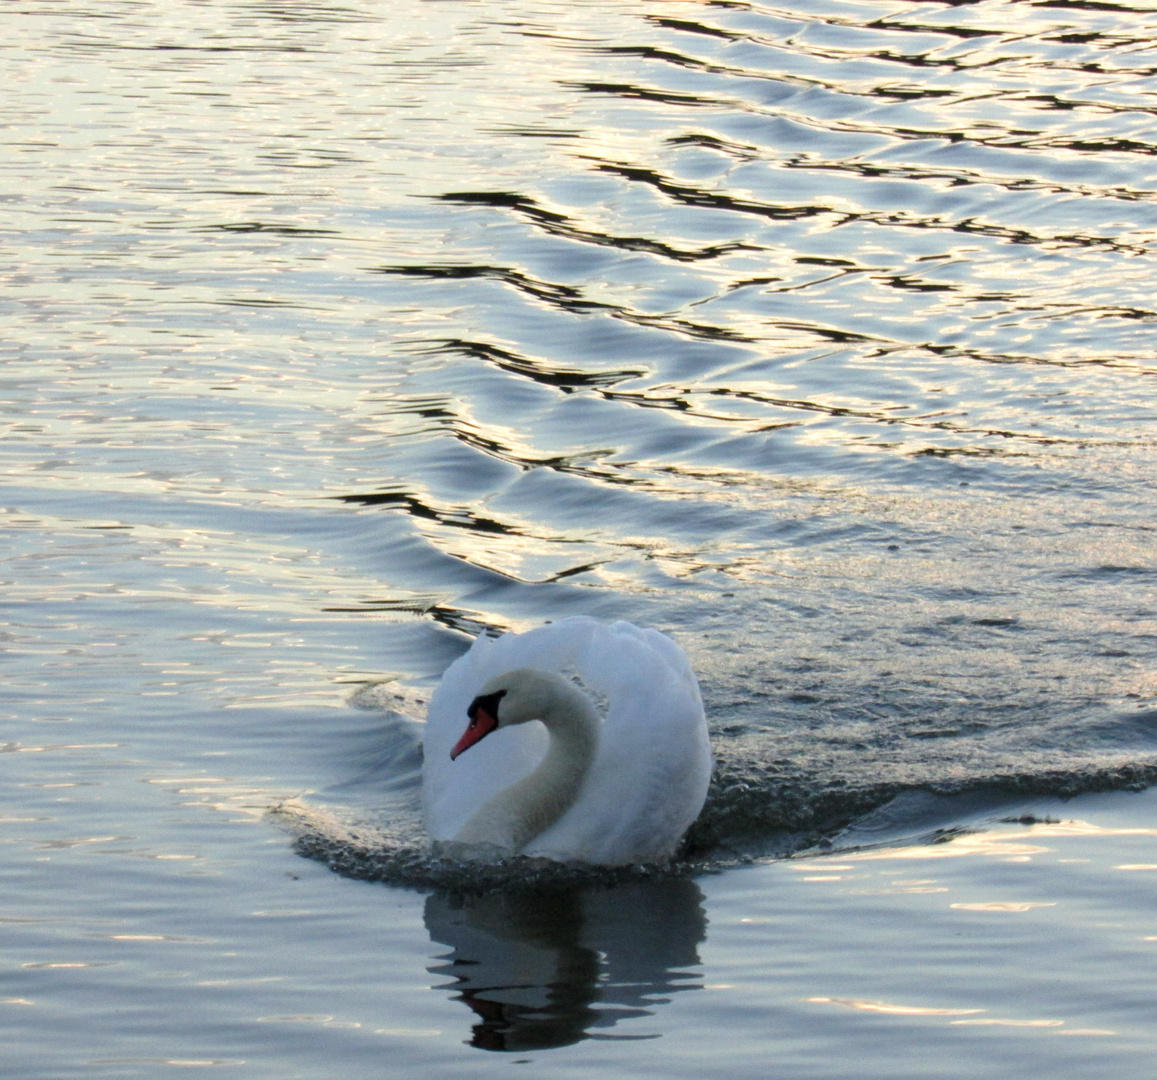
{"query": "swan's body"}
(611, 790)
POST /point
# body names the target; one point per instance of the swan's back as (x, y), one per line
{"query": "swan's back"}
(650, 775)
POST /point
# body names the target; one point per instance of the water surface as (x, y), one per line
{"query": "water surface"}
(818, 335)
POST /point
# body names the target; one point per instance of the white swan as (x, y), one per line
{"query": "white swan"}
(619, 789)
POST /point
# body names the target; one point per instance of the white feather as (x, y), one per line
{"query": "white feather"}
(649, 777)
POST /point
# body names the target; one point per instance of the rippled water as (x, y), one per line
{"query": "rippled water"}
(820, 336)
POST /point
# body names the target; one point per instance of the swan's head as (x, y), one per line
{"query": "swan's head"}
(514, 698)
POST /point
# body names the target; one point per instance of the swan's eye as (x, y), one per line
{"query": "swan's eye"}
(484, 705)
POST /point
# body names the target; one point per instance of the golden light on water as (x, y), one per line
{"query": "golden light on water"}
(891, 1009)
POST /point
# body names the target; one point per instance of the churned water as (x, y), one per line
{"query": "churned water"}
(819, 335)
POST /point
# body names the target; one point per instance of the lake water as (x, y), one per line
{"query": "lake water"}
(820, 336)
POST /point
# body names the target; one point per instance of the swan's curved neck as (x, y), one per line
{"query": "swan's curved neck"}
(533, 804)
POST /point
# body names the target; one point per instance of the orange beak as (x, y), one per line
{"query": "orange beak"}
(482, 723)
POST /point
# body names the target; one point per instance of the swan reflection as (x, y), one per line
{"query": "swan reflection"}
(542, 969)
